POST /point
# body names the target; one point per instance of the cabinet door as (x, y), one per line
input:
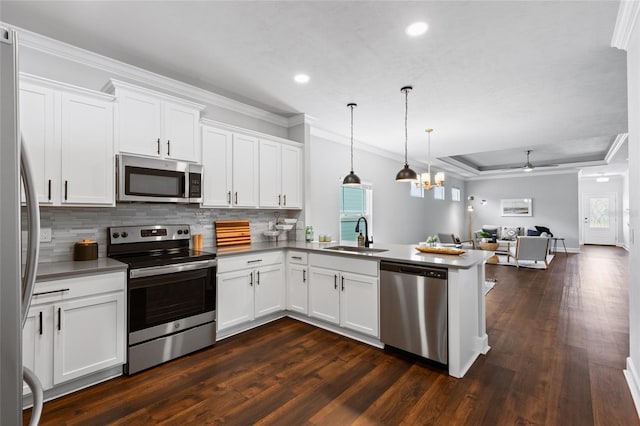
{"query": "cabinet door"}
(359, 303)
(217, 154)
(139, 124)
(88, 165)
(324, 296)
(291, 177)
(37, 127)
(181, 138)
(36, 345)
(269, 290)
(235, 298)
(88, 336)
(245, 171)
(297, 290)
(270, 174)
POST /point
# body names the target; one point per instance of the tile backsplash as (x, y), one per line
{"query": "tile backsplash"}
(71, 224)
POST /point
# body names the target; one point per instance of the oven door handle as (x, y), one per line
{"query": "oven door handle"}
(170, 269)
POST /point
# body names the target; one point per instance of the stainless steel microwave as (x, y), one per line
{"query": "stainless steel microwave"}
(158, 181)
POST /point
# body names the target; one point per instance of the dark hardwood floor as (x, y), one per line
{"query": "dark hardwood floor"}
(559, 340)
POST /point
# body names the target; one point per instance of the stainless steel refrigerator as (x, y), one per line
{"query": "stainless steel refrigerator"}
(16, 285)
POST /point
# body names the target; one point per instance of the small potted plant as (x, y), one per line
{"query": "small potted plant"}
(432, 240)
(484, 236)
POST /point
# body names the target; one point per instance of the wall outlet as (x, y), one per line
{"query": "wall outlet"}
(45, 235)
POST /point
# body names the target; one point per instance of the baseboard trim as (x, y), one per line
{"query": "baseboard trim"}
(631, 374)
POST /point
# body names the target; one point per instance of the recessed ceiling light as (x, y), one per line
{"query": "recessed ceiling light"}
(417, 29)
(301, 78)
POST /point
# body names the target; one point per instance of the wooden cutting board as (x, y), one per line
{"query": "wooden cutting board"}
(232, 232)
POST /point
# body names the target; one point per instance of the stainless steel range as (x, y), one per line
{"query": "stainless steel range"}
(171, 293)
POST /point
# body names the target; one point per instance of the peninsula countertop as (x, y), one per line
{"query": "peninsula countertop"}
(406, 253)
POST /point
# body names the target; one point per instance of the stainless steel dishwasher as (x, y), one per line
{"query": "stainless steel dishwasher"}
(413, 309)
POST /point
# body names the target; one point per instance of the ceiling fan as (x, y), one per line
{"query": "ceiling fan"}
(527, 166)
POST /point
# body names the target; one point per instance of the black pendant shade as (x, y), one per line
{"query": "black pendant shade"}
(351, 178)
(406, 174)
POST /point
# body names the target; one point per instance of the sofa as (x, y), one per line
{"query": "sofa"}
(505, 236)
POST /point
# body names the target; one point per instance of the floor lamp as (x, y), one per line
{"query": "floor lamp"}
(470, 210)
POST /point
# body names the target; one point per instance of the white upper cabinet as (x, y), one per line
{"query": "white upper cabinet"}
(270, 174)
(291, 177)
(245, 171)
(217, 155)
(68, 132)
(155, 124)
(280, 175)
(87, 163)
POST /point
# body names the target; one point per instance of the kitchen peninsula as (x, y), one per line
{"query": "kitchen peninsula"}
(319, 279)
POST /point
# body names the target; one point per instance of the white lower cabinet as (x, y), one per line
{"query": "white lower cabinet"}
(348, 299)
(249, 287)
(75, 327)
(297, 282)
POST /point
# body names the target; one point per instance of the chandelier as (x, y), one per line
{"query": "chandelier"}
(424, 181)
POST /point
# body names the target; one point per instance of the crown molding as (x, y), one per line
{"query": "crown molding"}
(296, 120)
(72, 53)
(628, 13)
(235, 129)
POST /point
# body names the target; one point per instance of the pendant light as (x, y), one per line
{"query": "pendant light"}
(406, 174)
(351, 178)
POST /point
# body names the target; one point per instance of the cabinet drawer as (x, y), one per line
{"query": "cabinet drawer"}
(244, 261)
(297, 257)
(344, 263)
(80, 286)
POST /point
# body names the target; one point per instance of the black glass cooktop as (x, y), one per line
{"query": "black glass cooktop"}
(162, 257)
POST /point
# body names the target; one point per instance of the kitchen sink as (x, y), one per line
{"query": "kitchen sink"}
(356, 249)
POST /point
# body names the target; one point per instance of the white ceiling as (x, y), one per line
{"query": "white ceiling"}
(492, 78)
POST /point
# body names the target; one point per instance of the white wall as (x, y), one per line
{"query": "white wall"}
(633, 97)
(589, 185)
(397, 217)
(555, 203)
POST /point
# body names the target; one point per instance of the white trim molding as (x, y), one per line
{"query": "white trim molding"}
(633, 380)
(72, 53)
(615, 146)
(628, 13)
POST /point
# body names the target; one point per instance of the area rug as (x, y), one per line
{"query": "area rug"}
(502, 260)
(488, 285)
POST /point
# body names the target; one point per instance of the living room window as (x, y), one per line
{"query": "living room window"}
(455, 194)
(438, 193)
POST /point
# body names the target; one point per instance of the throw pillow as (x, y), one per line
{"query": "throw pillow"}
(510, 233)
(542, 229)
(533, 233)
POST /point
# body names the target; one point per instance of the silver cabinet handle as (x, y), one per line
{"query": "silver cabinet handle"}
(229, 197)
(285, 199)
(297, 257)
(158, 146)
(279, 199)
(335, 282)
(168, 147)
(304, 275)
(236, 195)
(342, 283)
(251, 279)
(254, 261)
(258, 278)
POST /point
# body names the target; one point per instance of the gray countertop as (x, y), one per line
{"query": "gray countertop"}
(57, 270)
(406, 253)
(394, 252)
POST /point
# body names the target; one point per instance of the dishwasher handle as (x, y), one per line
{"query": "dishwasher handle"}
(404, 268)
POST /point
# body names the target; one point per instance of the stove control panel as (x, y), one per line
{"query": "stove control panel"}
(138, 234)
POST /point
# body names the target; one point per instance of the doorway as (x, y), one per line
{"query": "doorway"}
(599, 224)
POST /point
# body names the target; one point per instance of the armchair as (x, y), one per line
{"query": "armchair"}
(530, 248)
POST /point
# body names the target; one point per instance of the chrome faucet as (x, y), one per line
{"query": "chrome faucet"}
(366, 231)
